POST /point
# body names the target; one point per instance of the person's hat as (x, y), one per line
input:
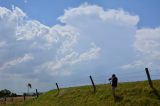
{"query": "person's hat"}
(113, 75)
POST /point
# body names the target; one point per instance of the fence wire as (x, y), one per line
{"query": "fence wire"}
(125, 76)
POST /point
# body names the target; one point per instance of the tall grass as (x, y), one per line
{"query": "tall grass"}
(127, 94)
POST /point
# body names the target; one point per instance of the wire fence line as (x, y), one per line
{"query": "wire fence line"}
(102, 79)
(127, 76)
(18, 98)
(124, 76)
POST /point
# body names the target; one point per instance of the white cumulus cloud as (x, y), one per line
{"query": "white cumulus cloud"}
(97, 13)
(148, 42)
(87, 38)
(17, 61)
(147, 46)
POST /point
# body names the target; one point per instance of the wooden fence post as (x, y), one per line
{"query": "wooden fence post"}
(37, 94)
(94, 87)
(5, 100)
(57, 87)
(24, 96)
(149, 78)
(12, 98)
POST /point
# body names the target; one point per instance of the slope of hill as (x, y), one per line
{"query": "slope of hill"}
(128, 94)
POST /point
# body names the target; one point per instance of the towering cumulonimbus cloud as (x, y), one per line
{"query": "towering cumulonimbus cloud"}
(88, 40)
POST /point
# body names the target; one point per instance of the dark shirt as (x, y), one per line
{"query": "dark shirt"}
(114, 81)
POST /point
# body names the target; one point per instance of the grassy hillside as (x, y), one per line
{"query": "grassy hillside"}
(128, 94)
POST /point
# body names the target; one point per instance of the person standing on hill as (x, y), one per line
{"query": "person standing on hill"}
(114, 81)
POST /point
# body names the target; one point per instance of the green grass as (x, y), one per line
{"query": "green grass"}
(128, 94)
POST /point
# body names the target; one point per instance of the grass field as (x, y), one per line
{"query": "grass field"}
(14, 101)
(127, 94)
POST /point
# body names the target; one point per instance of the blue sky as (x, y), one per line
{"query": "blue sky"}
(47, 41)
(47, 11)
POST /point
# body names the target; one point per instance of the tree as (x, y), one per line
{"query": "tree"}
(5, 92)
(13, 94)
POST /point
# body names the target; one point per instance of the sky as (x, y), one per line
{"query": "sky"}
(65, 41)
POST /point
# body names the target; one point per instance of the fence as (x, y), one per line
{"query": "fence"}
(19, 98)
(93, 80)
(102, 79)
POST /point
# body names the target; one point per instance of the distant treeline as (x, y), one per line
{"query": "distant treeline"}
(7, 93)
